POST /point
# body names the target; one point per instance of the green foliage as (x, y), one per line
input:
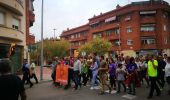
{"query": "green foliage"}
(97, 45)
(51, 49)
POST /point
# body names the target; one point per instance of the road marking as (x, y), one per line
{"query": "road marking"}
(128, 96)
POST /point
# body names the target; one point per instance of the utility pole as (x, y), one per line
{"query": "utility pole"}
(42, 18)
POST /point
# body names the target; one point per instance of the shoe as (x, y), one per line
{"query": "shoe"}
(110, 89)
(158, 94)
(118, 92)
(31, 85)
(149, 97)
(92, 88)
(133, 93)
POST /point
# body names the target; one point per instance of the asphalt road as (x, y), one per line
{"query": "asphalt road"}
(47, 91)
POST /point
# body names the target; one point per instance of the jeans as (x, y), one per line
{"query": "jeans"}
(94, 79)
(119, 82)
(77, 79)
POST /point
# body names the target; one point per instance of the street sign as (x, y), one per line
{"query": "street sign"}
(83, 53)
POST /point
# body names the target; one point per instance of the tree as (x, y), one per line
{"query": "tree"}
(97, 45)
(51, 49)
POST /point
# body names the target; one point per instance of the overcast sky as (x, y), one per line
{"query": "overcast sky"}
(63, 14)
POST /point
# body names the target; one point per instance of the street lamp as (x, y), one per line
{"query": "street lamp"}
(119, 38)
(54, 32)
(41, 68)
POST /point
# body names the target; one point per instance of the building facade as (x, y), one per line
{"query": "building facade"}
(13, 30)
(135, 29)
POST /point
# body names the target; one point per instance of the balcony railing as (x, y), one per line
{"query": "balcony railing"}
(148, 46)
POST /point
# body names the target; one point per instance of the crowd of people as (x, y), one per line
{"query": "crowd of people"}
(112, 72)
(101, 72)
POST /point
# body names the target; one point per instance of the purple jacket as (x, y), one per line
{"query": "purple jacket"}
(131, 67)
(112, 69)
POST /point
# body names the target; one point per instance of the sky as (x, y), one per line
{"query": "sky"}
(63, 14)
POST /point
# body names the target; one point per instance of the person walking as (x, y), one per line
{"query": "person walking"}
(120, 72)
(161, 72)
(167, 73)
(33, 71)
(26, 73)
(103, 75)
(84, 72)
(152, 73)
(132, 71)
(94, 68)
(11, 86)
(77, 72)
(112, 73)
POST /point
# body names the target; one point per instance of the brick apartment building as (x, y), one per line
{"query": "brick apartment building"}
(138, 28)
(30, 38)
(16, 16)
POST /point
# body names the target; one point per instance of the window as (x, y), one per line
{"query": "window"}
(148, 27)
(148, 41)
(117, 31)
(115, 42)
(147, 12)
(128, 18)
(15, 23)
(129, 42)
(129, 29)
(166, 40)
(165, 27)
(109, 32)
(72, 36)
(2, 18)
(95, 35)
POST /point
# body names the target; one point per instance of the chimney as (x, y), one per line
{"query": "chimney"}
(118, 6)
(67, 29)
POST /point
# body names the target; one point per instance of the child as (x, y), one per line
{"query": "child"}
(120, 77)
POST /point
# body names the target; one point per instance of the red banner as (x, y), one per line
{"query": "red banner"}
(62, 74)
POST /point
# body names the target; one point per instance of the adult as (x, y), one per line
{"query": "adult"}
(132, 71)
(167, 73)
(152, 73)
(33, 71)
(112, 73)
(26, 73)
(103, 75)
(77, 72)
(94, 68)
(161, 71)
(11, 85)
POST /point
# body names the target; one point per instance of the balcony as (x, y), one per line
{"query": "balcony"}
(148, 20)
(11, 34)
(112, 37)
(104, 27)
(115, 48)
(74, 47)
(16, 6)
(148, 46)
(31, 18)
(78, 39)
(148, 33)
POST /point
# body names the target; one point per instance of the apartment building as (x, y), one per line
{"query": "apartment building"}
(138, 28)
(15, 20)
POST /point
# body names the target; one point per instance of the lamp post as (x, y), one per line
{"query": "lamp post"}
(54, 32)
(41, 68)
(119, 39)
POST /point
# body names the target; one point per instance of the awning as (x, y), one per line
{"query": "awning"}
(110, 19)
(147, 12)
(94, 23)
